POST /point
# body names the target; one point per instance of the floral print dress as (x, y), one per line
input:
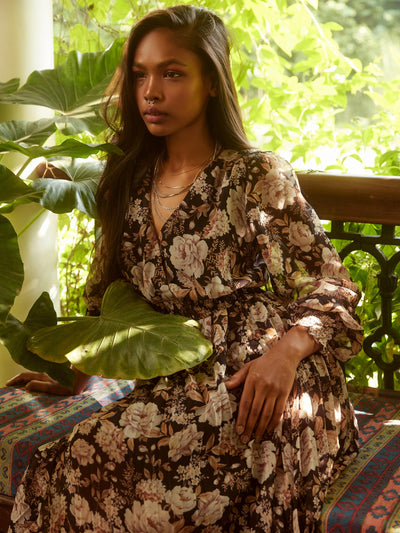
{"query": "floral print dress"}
(167, 457)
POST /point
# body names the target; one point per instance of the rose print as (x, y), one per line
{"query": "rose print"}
(80, 510)
(210, 508)
(300, 235)
(185, 442)
(188, 253)
(141, 419)
(83, 452)
(181, 500)
(147, 517)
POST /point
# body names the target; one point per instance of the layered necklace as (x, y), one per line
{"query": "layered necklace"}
(176, 190)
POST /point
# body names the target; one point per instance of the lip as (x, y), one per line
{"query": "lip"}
(153, 115)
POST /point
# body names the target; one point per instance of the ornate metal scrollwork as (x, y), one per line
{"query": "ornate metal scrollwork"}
(387, 284)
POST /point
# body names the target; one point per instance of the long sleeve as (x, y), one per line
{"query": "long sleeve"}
(305, 269)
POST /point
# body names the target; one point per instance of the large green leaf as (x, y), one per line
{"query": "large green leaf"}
(62, 196)
(129, 340)
(36, 132)
(11, 267)
(90, 122)
(80, 80)
(11, 187)
(9, 86)
(15, 334)
(68, 148)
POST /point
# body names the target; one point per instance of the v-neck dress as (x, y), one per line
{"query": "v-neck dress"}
(167, 457)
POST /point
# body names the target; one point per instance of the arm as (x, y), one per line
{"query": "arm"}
(41, 382)
(307, 274)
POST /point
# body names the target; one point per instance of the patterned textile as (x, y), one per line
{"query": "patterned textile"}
(366, 497)
(28, 420)
(167, 456)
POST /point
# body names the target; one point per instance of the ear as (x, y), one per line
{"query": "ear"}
(213, 92)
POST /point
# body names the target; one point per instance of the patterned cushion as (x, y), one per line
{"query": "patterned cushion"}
(366, 497)
(28, 420)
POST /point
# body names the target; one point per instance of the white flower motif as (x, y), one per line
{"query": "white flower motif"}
(58, 513)
(83, 452)
(237, 355)
(188, 253)
(185, 442)
(261, 459)
(273, 258)
(100, 524)
(236, 207)
(80, 510)
(20, 509)
(142, 275)
(332, 266)
(219, 407)
(300, 235)
(309, 458)
(151, 489)
(147, 517)
(136, 211)
(111, 439)
(218, 225)
(258, 312)
(181, 500)
(276, 190)
(216, 288)
(141, 419)
(210, 508)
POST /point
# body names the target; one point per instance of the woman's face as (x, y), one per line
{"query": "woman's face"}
(171, 89)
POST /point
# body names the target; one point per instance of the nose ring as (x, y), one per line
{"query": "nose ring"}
(151, 102)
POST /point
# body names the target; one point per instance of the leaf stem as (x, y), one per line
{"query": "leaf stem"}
(72, 318)
(31, 221)
(23, 167)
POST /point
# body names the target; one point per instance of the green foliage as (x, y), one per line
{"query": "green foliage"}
(14, 335)
(129, 340)
(76, 231)
(310, 82)
(11, 267)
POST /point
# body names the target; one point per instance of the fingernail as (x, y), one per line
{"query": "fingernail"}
(245, 439)
(240, 430)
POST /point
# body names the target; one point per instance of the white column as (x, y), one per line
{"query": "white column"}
(26, 42)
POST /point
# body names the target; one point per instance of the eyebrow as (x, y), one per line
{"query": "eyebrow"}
(163, 64)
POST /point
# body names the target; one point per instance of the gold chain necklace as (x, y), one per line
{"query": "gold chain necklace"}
(157, 195)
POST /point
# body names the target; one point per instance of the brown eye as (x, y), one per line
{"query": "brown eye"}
(172, 74)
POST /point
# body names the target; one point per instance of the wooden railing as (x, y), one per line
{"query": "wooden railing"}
(373, 200)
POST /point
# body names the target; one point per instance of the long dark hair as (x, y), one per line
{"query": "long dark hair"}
(202, 32)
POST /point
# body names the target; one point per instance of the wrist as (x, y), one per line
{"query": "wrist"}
(299, 344)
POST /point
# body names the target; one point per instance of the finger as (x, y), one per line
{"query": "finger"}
(265, 419)
(25, 377)
(278, 413)
(245, 408)
(238, 378)
(253, 416)
(48, 387)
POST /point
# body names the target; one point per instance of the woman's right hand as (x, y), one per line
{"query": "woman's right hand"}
(38, 382)
(41, 382)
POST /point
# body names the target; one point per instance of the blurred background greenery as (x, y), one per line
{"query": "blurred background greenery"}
(319, 82)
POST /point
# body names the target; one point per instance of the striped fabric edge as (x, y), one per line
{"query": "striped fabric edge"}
(369, 450)
(393, 524)
(9, 441)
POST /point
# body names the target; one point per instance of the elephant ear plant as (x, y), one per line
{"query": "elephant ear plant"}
(129, 339)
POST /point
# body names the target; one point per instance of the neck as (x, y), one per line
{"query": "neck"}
(184, 153)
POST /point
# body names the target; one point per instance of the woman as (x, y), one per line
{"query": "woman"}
(196, 220)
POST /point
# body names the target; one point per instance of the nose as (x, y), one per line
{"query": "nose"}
(152, 90)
